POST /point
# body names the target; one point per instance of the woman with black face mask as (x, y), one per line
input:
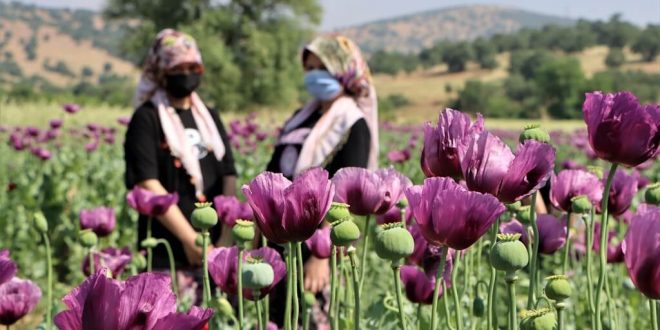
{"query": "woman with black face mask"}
(175, 144)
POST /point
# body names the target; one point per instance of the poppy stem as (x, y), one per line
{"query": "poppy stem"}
(403, 217)
(240, 287)
(438, 282)
(589, 247)
(445, 303)
(333, 286)
(533, 265)
(170, 256)
(560, 315)
(289, 288)
(654, 314)
(493, 279)
(397, 287)
(149, 250)
(567, 246)
(603, 245)
(49, 270)
(294, 292)
(257, 303)
(365, 247)
(419, 316)
(457, 306)
(356, 288)
(511, 279)
(205, 267)
(301, 282)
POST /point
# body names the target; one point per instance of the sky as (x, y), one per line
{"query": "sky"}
(342, 13)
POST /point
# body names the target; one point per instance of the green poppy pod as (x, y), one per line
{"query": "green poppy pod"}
(199, 241)
(344, 232)
(534, 132)
(256, 274)
(581, 204)
(310, 299)
(652, 195)
(478, 307)
(149, 243)
(40, 222)
(558, 288)
(509, 254)
(204, 216)
(394, 242)
(513, 207)
(337, 211)
(540, 319)
(523, 214)
(403, 203)
(139, 261)
(87, 238)
(243, 231)
(223, 307)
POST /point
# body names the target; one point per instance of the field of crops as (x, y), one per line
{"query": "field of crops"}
(415, 231)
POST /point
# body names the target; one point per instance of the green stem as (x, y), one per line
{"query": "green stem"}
(365, 247)
(567, 246)
(610, 310)
(333, 288)
(560, 316)
(149, 250)
(511, 285)
(260, 322)
(654, 314)
(438, 282)
(533, 277)
(301, 283)
(397, 287)
(590, 281)
(457, 307)
(239, 271)
(419, 316)
(356, 288)
(493, 279)
(603, 245)
(445, 303)
(341, 294)
(403, 217)
(170, 256)
(294, 280)
(289, 288)
(205, 269)
(49, 270)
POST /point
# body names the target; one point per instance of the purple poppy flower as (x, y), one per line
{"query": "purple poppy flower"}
(109, 138)
(444, 145)
(320, 243)
(552, 233)
(42, 153)
(52, 134)
(93, 127)
(515, 227)
(71, 108)
(245, 212)
(369, 192)
(143, 302)
(260, 136)
(92, 146)
(489, 166)
(398, 156)
(7, 267)
(17, 142)
(570, 164)
(571, 183)
(622, 192)
(100, 220)
(621, 130)
(149, 203)
(228, 208)
(449, 215)
(112, 258)
(419, 285)
(17, 299)
(32, 131)
(55, 123)
(288, 211)
(393, 215)
(614, 251)
(124, 120)
(641, 251)
(223, 266)
(642, 180)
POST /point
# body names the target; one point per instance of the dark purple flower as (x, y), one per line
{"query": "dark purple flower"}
(622, 192)
(393, 215)
(32, 131)
(571, 183)
(614, 251)
(260, 136)
(552, 233)
(228, 208)
(149, 203)
(112, 258)
(55, 123)
(109, 138)
(144, 301)
(42, 153)
(100, 220)
(71, 108)
(17, 299)
(92, 127)
(7, 267)
(52, 134)
(570, 164)
(319, 244)
(641, 251)
(17, 141)
(489, 166)
(288, 211)
(515, 227)
(124, 120)
(398, 156)
(449, 215)
(245, 212)
(92, 146)
(369, 192)
(419, 285)
(444, 145)
(621, 130)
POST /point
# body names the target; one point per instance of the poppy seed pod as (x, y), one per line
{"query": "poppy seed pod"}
(344, 232)
(204, 216)
(310, 299)
(88, 238)
(139, 261)
(652, 195)
(199, 241)
(581, 204)
(478, 307)
(149, 243)
(509, 253)
(558, 288)
(223, 306)
(337, 211)
(256, 274)
(40, 222)
(534, 132)
(394, 242)
(243, 231)
(513, 207)
(523, 214)
(539, 319)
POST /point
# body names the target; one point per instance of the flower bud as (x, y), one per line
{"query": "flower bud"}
(558, 288)
(581, 204)
(514, 207)
(534, 132)
(139, 261)
(403, 203)
(199, 241)
(243, 231)
(310, 299)
(344, 232)
(337, 211)
(256, 274)
(509, 254)
(652, 195)
(40, 222)
(204, 216)
(539, 319)
(523, 214)
(394, 242)
(149, 243)
(87, 238)
(596, 170)
(223, 307)
(478, 307)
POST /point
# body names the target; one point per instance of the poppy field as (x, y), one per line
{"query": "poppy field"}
(443, 236)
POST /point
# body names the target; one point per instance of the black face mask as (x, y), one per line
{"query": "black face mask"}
(181, 85)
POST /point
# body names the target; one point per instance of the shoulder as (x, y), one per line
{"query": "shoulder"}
(145, 114)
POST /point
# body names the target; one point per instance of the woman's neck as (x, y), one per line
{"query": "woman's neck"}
(182, 103)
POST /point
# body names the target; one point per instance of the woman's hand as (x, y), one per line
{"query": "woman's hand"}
(317, 274)
(193, 253)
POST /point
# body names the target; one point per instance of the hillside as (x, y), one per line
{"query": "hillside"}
(411, 33)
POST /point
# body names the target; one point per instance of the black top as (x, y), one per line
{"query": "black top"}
(354, 152)
(148, 157)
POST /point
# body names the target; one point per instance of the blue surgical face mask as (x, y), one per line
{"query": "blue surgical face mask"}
(322, 85)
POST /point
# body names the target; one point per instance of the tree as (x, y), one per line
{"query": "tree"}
(560, 82)
(527, 62)
(615, 58)
(392, 62)
(457, 55)
(431, 56)
(648, 43)
(485, 53)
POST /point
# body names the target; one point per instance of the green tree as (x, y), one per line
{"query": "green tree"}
(560, 82)
(392, 62)
(527, 62)
(648, 43)
(485, 53)
(615, 58)
(457, 55)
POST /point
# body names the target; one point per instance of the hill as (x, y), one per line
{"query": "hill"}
(411, 33)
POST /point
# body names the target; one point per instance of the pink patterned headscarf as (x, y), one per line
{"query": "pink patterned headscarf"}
(170, 49)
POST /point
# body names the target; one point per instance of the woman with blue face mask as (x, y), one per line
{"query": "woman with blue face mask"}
(336, 128)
